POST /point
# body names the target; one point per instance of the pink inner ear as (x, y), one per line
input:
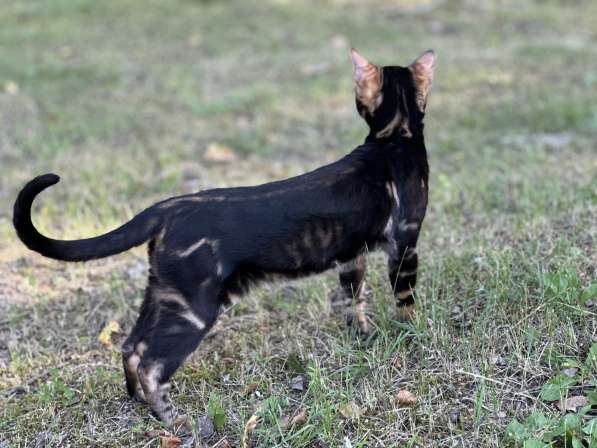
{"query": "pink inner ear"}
(425, 65)
(357, 59)
(366, 75)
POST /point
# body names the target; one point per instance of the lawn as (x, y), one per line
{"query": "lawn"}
(129, 101)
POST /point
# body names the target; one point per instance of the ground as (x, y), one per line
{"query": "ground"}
(123, 99)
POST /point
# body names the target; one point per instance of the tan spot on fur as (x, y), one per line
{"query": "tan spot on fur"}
(406, 226)
(189, 200)
(192, 248)
(234, 298)
(358, 263)
(404, 294)
(162, 294)
(219, 268)
(141, 348)
(132, 364)
(149, 379)
(213, 244)
(409, 253)
(192, 317)
(394, 193)
(389, 226)
(360, 312)
(390, 127)
(407, 273)
(156, 395)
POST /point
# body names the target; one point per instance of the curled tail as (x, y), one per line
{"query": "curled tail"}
(135, 232)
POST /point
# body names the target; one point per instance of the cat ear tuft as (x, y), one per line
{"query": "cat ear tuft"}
(367, 78)
(422, 69)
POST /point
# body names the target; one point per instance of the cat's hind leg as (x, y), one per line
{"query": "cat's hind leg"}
(181, 322)
(135, 345)
(349, 299)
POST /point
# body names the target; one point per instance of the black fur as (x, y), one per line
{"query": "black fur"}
(206, 249)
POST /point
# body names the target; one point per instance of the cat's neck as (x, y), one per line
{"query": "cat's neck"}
(414, 142)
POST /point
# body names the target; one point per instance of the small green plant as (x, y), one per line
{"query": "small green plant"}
(570, 430)
(215, 411)
(55, 391)
(557, 387)
(540, 431)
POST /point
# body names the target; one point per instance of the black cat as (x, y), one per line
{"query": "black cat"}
(206, 249)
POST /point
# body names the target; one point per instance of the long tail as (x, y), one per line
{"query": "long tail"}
(135, 232)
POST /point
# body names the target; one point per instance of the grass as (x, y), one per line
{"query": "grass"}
(122, 100)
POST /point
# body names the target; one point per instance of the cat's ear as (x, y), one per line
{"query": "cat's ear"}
(367, 81)
(422, 69)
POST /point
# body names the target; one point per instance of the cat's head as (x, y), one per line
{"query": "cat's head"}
(392, 99)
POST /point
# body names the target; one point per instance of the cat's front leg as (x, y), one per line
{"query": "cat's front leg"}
(349, 300)
(403, 278)
(403, 263)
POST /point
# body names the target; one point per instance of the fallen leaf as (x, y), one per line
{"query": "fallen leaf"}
(219, 153)
(350, 411)
(299, 418)
(250, 389)
(156, 433)
(406, 398)
(105, 336)
(249, 427)
(573, 403)
(170, 441)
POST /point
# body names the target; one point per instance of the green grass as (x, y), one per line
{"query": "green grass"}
(122, 100)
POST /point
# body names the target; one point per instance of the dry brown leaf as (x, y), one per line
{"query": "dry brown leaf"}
(573, 403)
(250, 389)
(170, 441)
(350, 411)
(299, 418)
(219, 153)
(406, 398)
(249, 427)
(156, 433)
(105, 336)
